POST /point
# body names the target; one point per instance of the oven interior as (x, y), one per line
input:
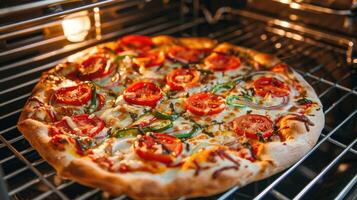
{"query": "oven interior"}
(318, 42)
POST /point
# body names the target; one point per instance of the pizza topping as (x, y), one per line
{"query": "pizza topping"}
(127, 132)
(225, 87)
(143, 93)
(250, 150)
(194, 129)
(160, 125)
(161, 115)
(96, 66)
(150, 59)
(158, 147)
(73, 95)
(205, 103)
(242, 101)
(182, 78)
(139, 42)
(82, 125)
(281, 123)
(222, 62)
(269, 85)
(97, 101)
(185, 55)
(253, 126)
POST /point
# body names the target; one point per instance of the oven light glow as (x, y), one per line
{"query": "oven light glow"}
(76, 26)
(295, 6)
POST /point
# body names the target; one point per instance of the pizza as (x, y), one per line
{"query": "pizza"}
(163, 117)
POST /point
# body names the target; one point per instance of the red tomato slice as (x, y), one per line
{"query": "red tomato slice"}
(143, 93)
(185, 55)
(269, 85)
(95, 67)
(73, 95)
(150, 59)
(136, 42)
(222, 62)
(251, 124)
(205, 103)
(82, 125)
(147, 147)
(181, 78)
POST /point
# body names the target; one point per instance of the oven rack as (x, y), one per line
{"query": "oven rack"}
(250, 31)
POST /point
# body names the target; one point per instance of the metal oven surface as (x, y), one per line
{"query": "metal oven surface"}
(328, 171)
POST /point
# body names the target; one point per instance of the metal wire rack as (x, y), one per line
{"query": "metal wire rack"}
(328, 171)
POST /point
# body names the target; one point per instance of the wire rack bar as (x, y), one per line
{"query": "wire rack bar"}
(40, 176)
(19, 86)
(13, 156)
(18, 138)
(24, 96)
(27, 72)
(88, 194)
(49, 192)
(324, 171)
(8, 176)
(59, 14)
(347, 188)
(292, 168)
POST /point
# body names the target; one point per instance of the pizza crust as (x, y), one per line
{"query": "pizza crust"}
(276, 156)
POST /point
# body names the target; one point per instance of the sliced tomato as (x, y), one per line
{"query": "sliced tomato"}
(95, 67)
(222, 62)
(136, 42)
(143, 93)
(150, 59)
(251, 125)
(270, 85)
(182, 78)
(205, 103)
(73, 95)
(148, 146)
(185, 55)
(81, 125)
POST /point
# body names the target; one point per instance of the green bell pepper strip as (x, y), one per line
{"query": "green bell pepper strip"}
(189, 134)
(161, 115)
(231, 98)
(228, 86)
(160, 125)
(125, 132)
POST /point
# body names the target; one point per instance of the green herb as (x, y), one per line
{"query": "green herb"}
(133, 116)
(93, 102)
(216, 122)
(160, 67)
(304, 101)
(260, 137)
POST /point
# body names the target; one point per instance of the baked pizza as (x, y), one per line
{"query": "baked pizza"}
(163, 117)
